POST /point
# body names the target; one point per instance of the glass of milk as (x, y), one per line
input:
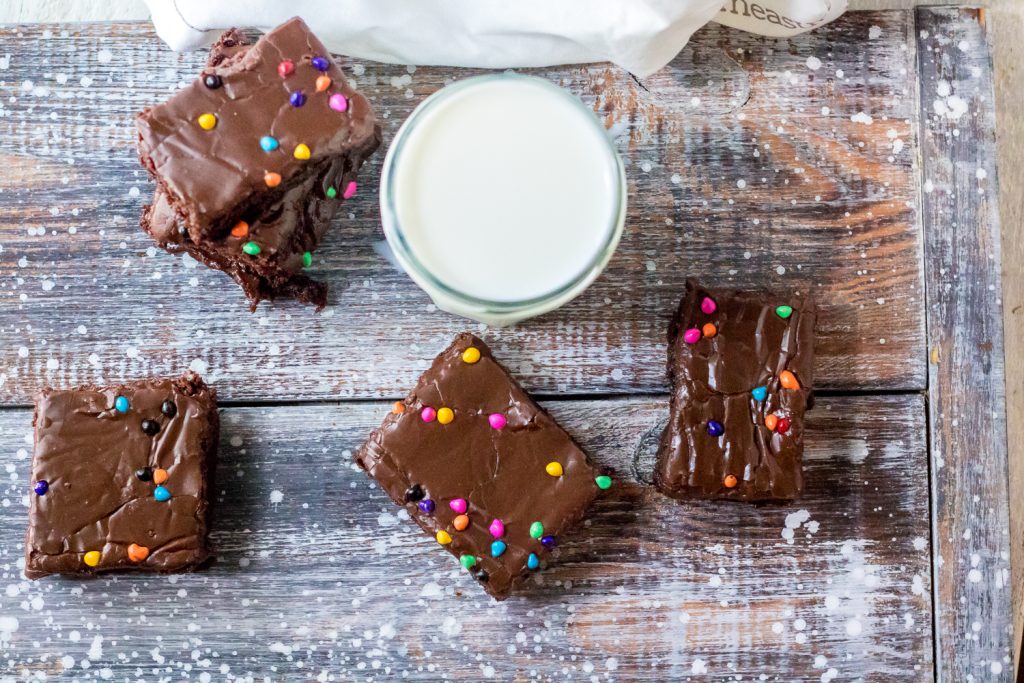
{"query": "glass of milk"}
(503, 197)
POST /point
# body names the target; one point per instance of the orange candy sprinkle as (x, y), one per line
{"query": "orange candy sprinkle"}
(398, 408)
(709, 330)
(788, 380)
(137, 553)
(770, 421)
(241, 229)
(272, 179)
(730, 481)
(461, 522)
(322, 83)
(159, 476)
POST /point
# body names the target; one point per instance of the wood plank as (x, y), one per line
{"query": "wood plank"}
(967, 407)
(751, 162)
(316, 572)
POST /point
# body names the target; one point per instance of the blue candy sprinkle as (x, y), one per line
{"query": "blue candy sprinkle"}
(498, 548)
(297, 99)
(121, 404)
(532, 562)
(320, 63)
(161, 494)
(41, 487)
(548, 542)
(715, 428)
(760, 393)
(268, 144)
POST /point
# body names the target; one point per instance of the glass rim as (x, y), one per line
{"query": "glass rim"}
(396, 238)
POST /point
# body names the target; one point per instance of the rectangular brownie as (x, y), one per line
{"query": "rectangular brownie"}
(481, 467)
(289, 232)
(253, 159)
(120, 477)
(741, 367)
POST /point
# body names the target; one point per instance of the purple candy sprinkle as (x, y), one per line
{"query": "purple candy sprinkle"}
(41, 487)
(297, 98)
(321, 63)
(426, 505)
(547, 541)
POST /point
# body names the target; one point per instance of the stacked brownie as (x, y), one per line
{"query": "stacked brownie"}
(741, 366)
(254, 158)
(120, 477)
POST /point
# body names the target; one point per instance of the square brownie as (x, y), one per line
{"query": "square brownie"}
(120, 477)
(289, 233)
(253, 159)
(481, 467)
(278, 110)
(741, 366)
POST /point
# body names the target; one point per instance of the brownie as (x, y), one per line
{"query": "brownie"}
(120, 477)
(481, 467)
(253, 159)
(289, 233)
(741, 367)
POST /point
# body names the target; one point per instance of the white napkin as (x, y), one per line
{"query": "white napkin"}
(639, 35)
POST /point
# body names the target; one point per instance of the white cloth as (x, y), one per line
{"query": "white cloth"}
(639, 35)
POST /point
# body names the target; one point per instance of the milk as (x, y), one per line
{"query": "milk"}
(505, 189)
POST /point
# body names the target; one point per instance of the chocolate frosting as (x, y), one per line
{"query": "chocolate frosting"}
(88, 453)
(713, 379)
(216, 177)
(500, 473)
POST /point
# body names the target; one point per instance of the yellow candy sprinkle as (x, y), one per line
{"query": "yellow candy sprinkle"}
(443, 537)
(445, 415)
(301, 151)
(207, 121)
(92, 558)
(471, 355)
(554, 469)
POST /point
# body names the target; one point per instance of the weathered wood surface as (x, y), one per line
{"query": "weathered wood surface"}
(751, 162)
(317, 573)
(965, 335)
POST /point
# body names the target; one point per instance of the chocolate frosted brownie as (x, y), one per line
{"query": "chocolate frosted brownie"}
(120, 477)
(289, 233)
(741, 366)
(481, 467)
(253, 159)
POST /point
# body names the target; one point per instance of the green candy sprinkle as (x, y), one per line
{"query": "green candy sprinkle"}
(307, 260)
(536, 530)
(468, 561)
(331, 192)
(251, 248)
(784, 311)
(603, 482)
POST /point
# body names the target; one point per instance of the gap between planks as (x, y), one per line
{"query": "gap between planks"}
(537, 396)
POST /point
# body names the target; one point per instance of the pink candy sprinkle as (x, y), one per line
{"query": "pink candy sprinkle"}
(350, 190)
(497, 420)
(428, 414)
(692, 335)
(708, 305)
(497, 528)
(459, 506)
(338, 102)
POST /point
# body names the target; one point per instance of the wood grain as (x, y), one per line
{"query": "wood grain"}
(966, 381)
(819, 131)
(316, 572)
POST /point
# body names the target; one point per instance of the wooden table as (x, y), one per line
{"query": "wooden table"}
(856, 162)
